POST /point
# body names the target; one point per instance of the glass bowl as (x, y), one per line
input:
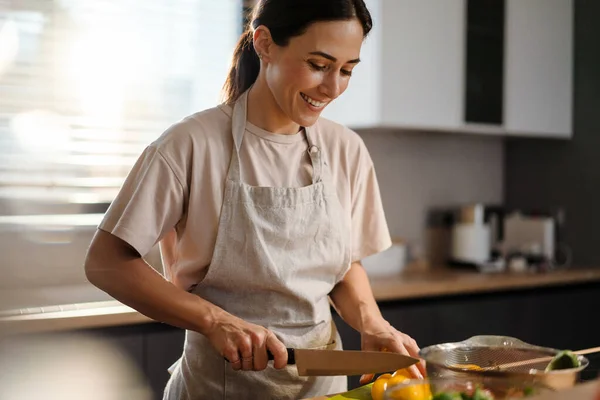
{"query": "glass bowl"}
(490, 351)
(498, 388)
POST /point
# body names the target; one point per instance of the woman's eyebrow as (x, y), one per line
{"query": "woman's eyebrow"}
(332, 58)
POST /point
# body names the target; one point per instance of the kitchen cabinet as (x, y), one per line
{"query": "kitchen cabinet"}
(163, 346)
(410, 73)
(539, 67)
(499, 67)
(152, 348)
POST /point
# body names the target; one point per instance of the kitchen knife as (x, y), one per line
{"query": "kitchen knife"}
(312, 362)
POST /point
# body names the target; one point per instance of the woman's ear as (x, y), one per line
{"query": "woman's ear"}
(263, 43)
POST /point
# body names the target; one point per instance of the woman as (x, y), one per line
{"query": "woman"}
(263, 212)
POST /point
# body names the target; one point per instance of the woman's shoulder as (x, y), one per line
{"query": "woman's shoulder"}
(194, 138)
(203, 126)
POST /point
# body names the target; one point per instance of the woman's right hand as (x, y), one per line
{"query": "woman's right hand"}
(244, 344)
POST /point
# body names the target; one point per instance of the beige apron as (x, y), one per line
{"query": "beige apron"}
(279, 252)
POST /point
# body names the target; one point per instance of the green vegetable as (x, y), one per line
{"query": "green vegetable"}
(563, 360)
(447, 396)
(482, 395)
(528, 391)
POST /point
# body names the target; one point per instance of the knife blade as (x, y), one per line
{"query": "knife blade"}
(312, 362)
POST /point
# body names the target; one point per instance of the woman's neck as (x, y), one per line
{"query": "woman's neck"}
(264, 112)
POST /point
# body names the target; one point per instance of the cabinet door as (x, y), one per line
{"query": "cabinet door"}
(163, 347)
(423, 59)
(539, 67)
(359, 106)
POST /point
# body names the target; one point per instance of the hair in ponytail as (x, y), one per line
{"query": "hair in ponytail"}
(285, 19)
(244, 68)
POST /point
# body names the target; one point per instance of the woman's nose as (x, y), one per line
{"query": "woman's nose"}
(331, 86)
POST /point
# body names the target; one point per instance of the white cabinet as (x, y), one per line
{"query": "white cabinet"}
(360, 105)
(422, 63)
(539, 67)
(414, 69)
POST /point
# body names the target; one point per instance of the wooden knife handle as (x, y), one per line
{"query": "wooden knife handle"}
(291, 356)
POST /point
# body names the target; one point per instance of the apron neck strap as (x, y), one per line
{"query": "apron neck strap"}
(238, 127)
(315, 155)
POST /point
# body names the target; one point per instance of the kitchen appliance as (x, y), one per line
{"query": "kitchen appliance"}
(533, 236)
(465, 236)
(492, 238)
(488, 351)
(311, 362)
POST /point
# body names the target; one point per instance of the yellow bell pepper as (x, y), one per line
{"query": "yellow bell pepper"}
(414, 392)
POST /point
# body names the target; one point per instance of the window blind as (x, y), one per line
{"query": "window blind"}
(86, 85)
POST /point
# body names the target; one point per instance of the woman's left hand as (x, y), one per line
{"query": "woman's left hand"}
(381, 336)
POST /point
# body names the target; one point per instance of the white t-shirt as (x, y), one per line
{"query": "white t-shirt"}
(179, 180)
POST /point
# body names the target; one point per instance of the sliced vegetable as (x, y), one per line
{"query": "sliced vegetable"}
(470, 367)
(563, 360)
(412, 392)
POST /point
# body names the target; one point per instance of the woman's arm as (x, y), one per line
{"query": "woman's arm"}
(116, 268)
(354, 301)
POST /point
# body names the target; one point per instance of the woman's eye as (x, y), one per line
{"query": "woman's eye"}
(317, 67)
(346, 72)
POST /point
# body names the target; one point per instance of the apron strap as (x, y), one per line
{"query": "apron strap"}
(315, 155)
(238, 128)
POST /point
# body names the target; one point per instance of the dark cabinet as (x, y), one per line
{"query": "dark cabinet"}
(163, 346)
(152, 348)
(127, 339)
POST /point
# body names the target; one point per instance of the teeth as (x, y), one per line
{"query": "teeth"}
(311, 101)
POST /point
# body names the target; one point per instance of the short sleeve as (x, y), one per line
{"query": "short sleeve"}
(149, 204)
(370, 233)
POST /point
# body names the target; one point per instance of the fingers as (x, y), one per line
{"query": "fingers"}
(232, 355)
(274, 345)
(366, 378)
(413, 350)
(260, 352)
(404, 344)
(247, 351)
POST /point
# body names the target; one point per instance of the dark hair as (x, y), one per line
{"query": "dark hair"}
(285, 19)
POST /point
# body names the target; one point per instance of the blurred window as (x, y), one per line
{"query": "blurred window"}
(86, 85)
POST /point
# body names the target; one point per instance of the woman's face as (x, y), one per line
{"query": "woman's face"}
(313, 69)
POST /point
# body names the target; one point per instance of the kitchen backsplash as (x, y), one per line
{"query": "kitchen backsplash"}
(421, 170)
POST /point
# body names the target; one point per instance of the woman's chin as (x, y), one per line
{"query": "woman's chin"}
(307, 119)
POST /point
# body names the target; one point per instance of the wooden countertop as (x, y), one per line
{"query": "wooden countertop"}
(406, 286)
(444, 281)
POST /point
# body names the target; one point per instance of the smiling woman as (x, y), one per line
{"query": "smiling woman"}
(263, 211)
(303, 53)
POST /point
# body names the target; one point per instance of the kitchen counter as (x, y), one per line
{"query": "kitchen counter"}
(405, 286)
(444, 282)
